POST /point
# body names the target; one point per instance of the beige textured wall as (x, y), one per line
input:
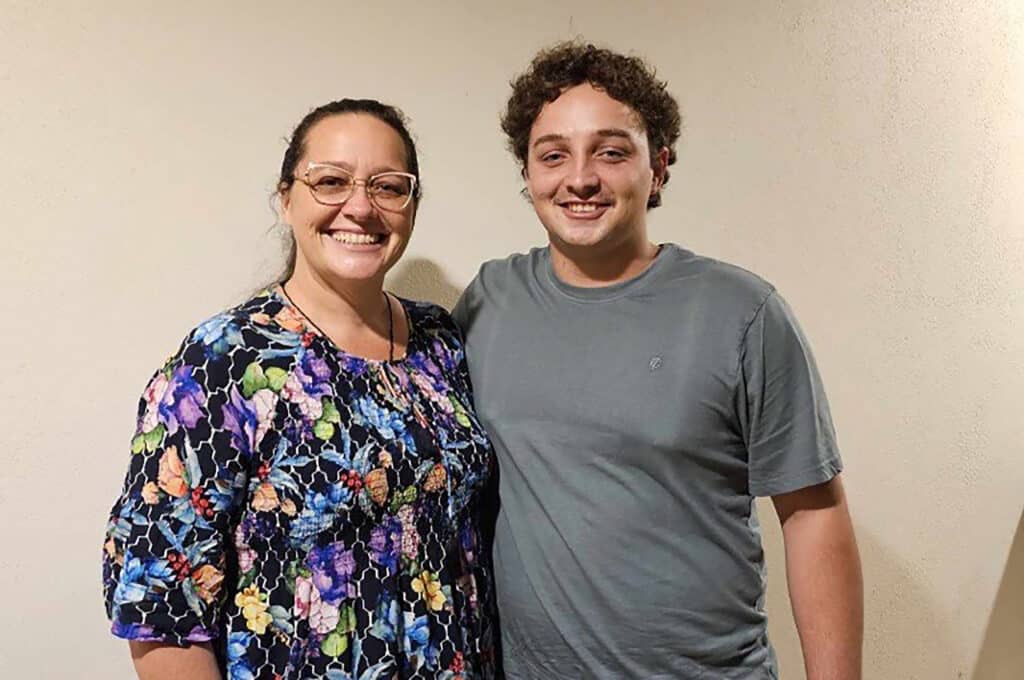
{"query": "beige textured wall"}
(866, 156)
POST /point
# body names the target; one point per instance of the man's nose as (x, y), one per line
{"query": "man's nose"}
(583, 180)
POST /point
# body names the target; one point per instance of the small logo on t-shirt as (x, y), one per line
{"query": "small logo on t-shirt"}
(655, 363)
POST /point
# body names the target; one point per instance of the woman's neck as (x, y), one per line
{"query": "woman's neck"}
(334, 304)
(358, 319)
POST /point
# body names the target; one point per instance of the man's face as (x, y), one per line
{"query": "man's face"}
(588, 172)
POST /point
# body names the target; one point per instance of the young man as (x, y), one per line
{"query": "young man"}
(639, 397)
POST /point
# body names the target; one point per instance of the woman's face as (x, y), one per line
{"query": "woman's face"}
(358, 241)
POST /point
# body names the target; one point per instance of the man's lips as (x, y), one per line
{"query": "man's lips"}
(584, 210)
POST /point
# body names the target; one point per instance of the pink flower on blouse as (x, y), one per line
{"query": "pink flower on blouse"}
(323, 617)
(154, 394)
(246, 556)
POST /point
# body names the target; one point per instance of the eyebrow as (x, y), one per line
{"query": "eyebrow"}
(614, 132)
(543, 139)
(350, 168)
(604, 132)
(338, 164)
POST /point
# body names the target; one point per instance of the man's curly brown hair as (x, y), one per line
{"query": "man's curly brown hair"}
(627, 79)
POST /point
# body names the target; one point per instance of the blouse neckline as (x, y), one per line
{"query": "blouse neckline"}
(276, 292)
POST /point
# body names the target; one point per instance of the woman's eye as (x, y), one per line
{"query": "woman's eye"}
(332, 182)
(391, 186)
(387, 189)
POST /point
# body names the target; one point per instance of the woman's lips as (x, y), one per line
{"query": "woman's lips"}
(357, 240)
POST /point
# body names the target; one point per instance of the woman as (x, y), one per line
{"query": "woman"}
(303, 495)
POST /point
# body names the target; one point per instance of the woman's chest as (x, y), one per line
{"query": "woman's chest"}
(362, 449)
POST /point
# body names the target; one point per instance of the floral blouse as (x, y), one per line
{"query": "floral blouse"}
(314, 514)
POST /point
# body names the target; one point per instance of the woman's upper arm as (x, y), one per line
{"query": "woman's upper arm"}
(162, 661)
(164, 558)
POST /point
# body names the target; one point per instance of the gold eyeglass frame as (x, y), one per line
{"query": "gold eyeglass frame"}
(365, 183)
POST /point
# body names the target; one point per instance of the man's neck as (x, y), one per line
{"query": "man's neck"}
(586, 268)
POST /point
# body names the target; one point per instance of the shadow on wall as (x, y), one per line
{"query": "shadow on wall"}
(422, 279)
(904, 635)
(1002, 652)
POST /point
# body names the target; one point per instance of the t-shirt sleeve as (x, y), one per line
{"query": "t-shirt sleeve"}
(784, 413)
(164, 558)
(462, 315)
(465, 308)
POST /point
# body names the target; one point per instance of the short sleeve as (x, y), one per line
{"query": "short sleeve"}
(461, 317)
(164, 558)
(465, 309)
(784, 413)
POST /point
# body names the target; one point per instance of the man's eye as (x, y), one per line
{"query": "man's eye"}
(613, 154)
(552, 157)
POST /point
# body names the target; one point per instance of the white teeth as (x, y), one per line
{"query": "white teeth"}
(356, 239)
(582, 207)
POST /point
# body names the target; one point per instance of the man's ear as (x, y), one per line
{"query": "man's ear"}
(660, 168)
(525, 191)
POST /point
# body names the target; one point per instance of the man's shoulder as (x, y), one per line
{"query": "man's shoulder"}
(501, 271)
(495, 277)
(495, 283)
(721, 283)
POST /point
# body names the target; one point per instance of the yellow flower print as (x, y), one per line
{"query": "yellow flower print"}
(427, 585)
(254, 607)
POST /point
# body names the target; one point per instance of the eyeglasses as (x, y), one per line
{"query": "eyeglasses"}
(331, 185)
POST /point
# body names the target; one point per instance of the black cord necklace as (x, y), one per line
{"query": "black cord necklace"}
(391, 329)
(391, 321)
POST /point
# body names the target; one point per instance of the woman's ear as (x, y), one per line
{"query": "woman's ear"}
(284, 196)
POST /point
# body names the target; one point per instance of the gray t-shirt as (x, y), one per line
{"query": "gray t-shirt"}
(634, 424)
